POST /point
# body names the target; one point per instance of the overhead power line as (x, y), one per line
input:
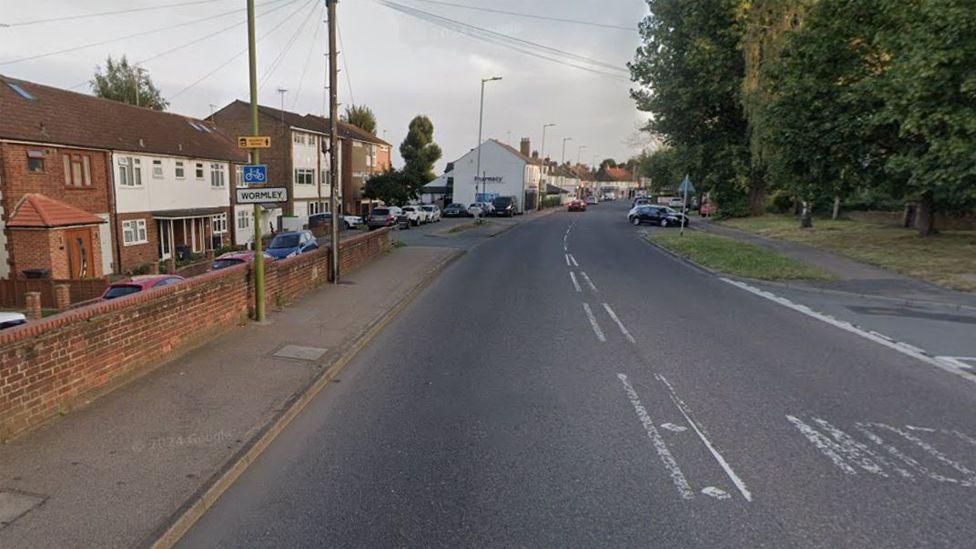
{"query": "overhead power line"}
(239, 53)
(103, 13)
(345, 66)
(524, 46)
(531, 15)
(308, 59)
(284, 51)
(126, 37)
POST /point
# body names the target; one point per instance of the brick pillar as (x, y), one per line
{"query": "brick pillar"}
(33, 300)
(209, 255)
(62, 297)
(171, 266)
(154, 268)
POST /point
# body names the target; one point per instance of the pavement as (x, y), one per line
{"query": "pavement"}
(566, 383)
(118, 471)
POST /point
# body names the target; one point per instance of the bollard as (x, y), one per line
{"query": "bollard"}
(33, 300)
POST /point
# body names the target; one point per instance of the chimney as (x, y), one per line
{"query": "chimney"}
(535, 154)
(525, 147)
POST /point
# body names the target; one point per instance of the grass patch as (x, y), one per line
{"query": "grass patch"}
(465, 226)
(734, 257)
(947, 259)
(398, 244)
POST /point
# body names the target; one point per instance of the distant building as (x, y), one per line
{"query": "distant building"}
(505, 171)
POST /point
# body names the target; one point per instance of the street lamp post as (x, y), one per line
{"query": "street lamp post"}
(579, 152)
(565, 139)
(542, 155)
(481, 118)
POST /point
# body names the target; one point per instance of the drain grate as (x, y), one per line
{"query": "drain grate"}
(14, 505)
(298, 352)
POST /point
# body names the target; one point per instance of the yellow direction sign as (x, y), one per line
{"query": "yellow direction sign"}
(254, 142)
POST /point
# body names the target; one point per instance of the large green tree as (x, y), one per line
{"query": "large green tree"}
(390, 186)
(689, 70)
(362, 117)
(419, 153)
(127, 83)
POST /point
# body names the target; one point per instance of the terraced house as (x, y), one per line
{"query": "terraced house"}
(92, 186)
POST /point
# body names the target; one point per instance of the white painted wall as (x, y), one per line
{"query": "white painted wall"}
(244, 236)
(303, 156)
(496, 161)
(105, 240)
(169, 192)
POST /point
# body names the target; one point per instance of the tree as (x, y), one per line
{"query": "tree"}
(419, 153)
(390, 186)
(362, 117)
(689, 70)
(127, 83)
(663, 167)
(608, 163)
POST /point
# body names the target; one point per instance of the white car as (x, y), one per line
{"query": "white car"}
(9, 320)
(433, 212)
(415, 216)
(676, 203)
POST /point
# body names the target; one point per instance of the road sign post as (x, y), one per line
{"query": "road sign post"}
(686, 187)
(255, 144)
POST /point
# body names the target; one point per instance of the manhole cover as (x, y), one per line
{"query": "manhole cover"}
(297, 352)
(14, 504)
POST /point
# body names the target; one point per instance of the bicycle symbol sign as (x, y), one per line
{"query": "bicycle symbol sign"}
(254, 174)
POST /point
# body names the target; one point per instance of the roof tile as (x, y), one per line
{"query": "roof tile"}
(38, 211)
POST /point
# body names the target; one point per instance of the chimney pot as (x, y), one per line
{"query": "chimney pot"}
(525, 146)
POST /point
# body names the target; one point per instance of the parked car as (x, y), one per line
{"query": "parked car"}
(486, 207)
(292, 243)
(676, 203)
(591, 200)
(387, 216)
(505, 206)
(576, 205)
(655, 215)
(230, 259)
(9, 320)
(138, 284)
(415, 216)
(641, 201)
(607, 197)
(456, 210)
(433, 212)
(348, 221)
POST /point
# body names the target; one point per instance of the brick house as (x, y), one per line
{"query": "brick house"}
(159, 182)
(291, 159)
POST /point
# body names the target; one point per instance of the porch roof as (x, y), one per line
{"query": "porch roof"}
(34, 210)
(189, 213)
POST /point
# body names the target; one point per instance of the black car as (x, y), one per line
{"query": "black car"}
(656, 215)
(505, 206)
(456, 210)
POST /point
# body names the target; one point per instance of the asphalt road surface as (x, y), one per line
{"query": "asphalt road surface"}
(566, 384)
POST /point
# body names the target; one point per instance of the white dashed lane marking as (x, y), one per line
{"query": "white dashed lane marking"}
(588, 281)
(593, 322)
(576, 285)
(623, 329)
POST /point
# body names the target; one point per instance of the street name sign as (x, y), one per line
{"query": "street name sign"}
(254, 142)
(256, 174)
(262, 195)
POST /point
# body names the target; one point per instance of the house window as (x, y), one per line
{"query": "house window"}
(239, 176)
(199, 170)
(316, 208)
(304, 176)
(77, 170)
(243, 219)
(134, 232)
(217, 176)
(298, 138)
(180, 170)
(220, 223)
(130, 172)
(157, 169)
(35, 161)
(311, 140)
(322, 177)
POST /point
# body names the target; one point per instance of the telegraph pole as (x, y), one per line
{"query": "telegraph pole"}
(255, 159)
(333, 139)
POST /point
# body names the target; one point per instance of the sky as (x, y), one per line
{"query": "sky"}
(397, 64)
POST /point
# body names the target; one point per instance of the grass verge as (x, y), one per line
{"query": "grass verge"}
(947, 259)
(735, 258)
(466, 226)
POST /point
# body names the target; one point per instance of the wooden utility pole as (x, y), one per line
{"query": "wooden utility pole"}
(255, 159)
(333, 139)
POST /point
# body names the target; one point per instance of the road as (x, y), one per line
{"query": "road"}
(567, 384)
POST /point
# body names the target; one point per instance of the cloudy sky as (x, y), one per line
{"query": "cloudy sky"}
(398, 64)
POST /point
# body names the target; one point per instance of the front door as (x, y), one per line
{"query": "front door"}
(81, 256)
(165, 242)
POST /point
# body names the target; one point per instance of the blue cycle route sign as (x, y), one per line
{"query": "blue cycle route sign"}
(255, 174)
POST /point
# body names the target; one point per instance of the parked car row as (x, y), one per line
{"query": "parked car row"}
(656, 214)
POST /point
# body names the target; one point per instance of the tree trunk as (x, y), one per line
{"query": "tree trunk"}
(757, 197)
(806, 216)
(836, 213)
(925, 216)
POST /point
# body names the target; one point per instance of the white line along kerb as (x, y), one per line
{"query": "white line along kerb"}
(620, 325)
(682, 407)
(881, 339)
(593, 323)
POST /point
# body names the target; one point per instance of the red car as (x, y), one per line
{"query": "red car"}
(576, 205)
(230, 259)
(138, 284)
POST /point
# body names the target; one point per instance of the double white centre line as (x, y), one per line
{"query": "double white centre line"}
(588, 281)
(576, 285)
(593, 322)
(623, 329)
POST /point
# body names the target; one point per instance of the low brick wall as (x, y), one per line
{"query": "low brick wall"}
(47, 367)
